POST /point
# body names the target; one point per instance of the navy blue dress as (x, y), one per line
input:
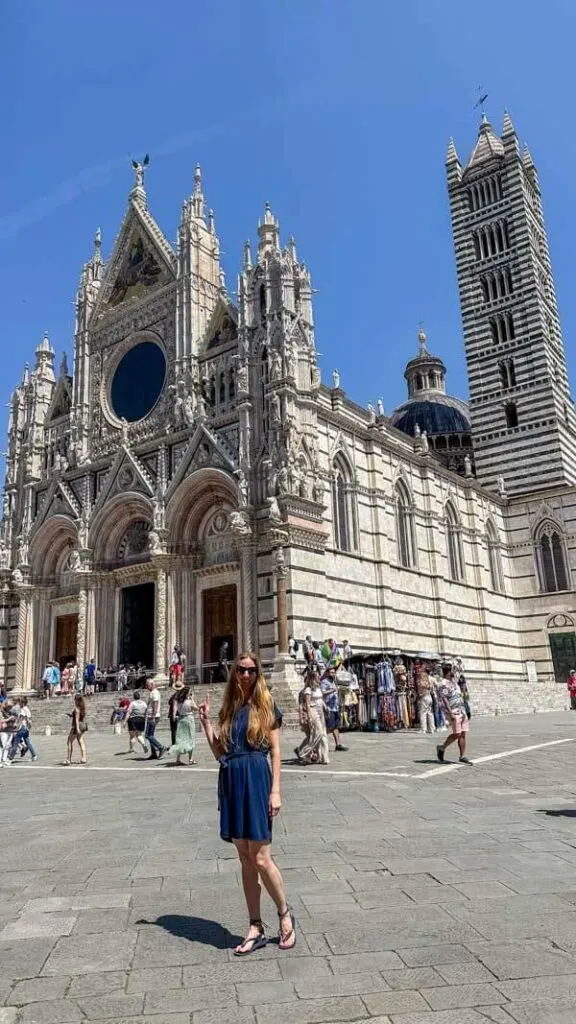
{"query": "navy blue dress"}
(244, 785)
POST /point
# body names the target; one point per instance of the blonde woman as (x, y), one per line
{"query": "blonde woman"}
(249, 791)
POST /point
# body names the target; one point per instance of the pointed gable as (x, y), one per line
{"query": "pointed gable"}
(142, 260)
(126, 473)
(61, 400)
(223, 326)
(204, 449)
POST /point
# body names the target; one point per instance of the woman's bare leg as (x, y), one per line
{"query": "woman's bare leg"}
(82, 746)
(261, 857)
(251, 886)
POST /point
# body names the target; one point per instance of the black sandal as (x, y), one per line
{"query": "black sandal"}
(258, 941)
(292, 932)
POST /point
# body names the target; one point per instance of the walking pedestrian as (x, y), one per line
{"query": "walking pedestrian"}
(78, 730)
(572, 688)
(7, 724)
(316, 749)
(47, 680)
(157, 750)
(452, 702)
(185, 740)
(249, 792)
(303, 721)
(90, 677)
(136, 722)
(331, 697)
(424, 686)
(177, 685)
(23, 721)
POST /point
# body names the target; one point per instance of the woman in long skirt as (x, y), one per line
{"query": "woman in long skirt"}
(249, 791)
(186, 728)
(315, 750)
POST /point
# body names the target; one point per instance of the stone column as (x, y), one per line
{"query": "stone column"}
(161, 676)
(25, 642)
(81, 637)
(249, 640)
(283, 671)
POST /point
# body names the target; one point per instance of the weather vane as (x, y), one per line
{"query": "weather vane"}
(482, 97)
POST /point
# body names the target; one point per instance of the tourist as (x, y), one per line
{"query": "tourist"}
(122, 679)
(120, 712)
(331, 697)
(249, 793)
(572, 688)
(157, 750)
(452, 703)
(177, 685)
(65, 680)
(78, 730)
(303, 721)
(316, 749)
(7, 723)
(56, 681)
(47, 680)
(186, 726)
(90, 677)
(424, 687)
(175, 670)
(136, 722)
(23, 721)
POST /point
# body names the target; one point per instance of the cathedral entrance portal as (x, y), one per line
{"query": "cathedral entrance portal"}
(137, 625)
(66, 639)
(219, 623)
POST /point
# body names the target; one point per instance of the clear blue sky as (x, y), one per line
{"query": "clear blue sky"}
(336, 111)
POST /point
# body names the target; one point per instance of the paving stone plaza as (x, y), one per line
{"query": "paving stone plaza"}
(423, 894)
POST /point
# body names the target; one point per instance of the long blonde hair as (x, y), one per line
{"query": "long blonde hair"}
(261, 717)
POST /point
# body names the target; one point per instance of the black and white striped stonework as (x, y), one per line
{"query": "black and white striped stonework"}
(522, 416)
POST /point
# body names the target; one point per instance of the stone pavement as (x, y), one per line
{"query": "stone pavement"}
(423, 895)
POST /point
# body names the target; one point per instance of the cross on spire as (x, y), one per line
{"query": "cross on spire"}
(481, 103)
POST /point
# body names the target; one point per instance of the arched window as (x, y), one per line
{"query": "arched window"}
(231, 385)
(222, 390)
(263, 303)
(264, 379)
(405, 545)
(551, 560)
(418, 382)
(511, 414)
(343, 507)
(494, 558)
(454, 544)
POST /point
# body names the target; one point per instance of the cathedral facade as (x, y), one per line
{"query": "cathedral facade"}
(193, 481)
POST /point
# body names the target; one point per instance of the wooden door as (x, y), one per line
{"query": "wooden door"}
(219, 622)
(66, 638)
(563, 649)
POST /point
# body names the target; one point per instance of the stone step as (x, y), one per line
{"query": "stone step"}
(55, 713)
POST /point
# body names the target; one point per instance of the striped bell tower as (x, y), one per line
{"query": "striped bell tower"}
(522, 414)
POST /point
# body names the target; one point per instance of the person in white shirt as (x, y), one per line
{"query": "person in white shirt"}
(152, 718)
(22, 734)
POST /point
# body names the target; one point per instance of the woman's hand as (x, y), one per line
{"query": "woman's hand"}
(275, 803)
(204, 710)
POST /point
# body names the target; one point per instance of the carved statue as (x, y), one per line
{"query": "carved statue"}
(276, 366)
(22, 550)
(306, 488)
(139, 171)
(371, 413)
(4, 555)
(315, 377)
(289, 360)
(242, 379)
(467, 465)
(417, 430)
(243, 488)
(274, 509)
(424, 440)
(178, 405)
(154, 542)
(275, 408)
(283, 481)
(239, 524)
(17, 576)
(188, 410)
(380, 407)
(336, 379)
(318, 490)
(157, 514)
(501, 486)
(74, 561)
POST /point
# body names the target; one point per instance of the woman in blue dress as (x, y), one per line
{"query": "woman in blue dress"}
(249, 790)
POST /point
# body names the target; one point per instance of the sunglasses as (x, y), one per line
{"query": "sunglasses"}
(244, 671)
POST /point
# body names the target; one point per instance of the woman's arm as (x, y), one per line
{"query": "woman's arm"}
(213, 741)
(275, 758)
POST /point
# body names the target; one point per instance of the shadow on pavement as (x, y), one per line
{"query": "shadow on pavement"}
(196, 929)
(567, 812)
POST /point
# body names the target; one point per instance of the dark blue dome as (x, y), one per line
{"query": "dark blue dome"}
(432, 416)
